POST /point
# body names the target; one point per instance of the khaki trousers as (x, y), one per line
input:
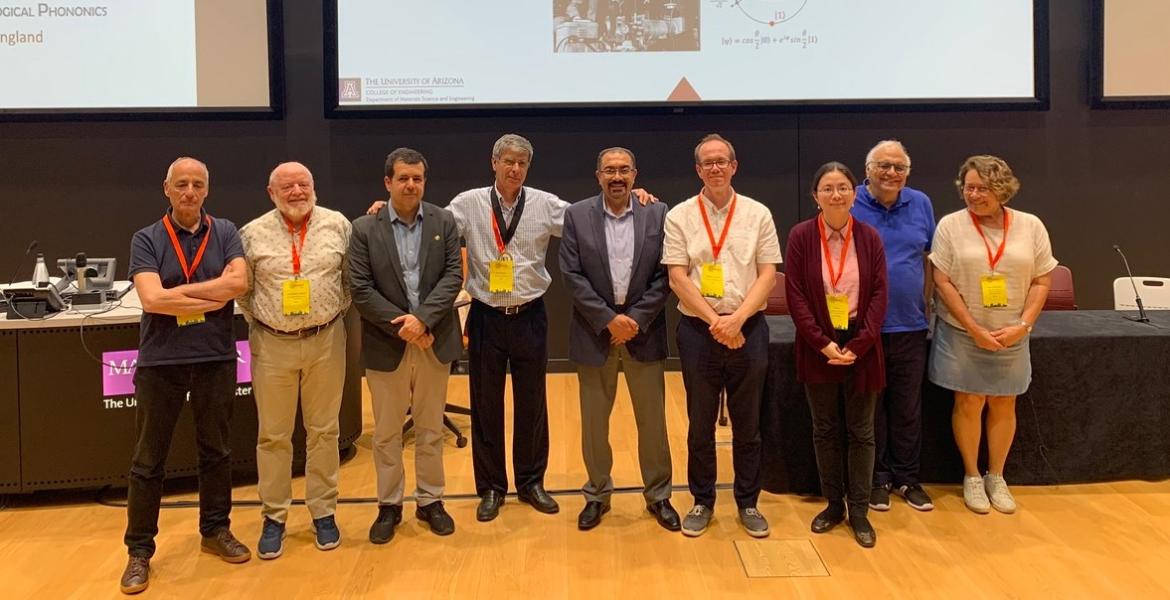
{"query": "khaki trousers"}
(420, 386)
(283, 369)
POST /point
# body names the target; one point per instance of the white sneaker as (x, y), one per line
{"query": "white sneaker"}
(997, 491)
(974, 495)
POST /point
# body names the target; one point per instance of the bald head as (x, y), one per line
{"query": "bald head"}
(290, 186)
(186, 161)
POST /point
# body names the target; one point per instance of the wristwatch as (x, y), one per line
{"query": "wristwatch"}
(1026, 325)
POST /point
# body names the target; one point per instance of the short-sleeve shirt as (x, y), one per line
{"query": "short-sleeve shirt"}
(268, 246)
(161, 341)
(906, 229)
(751, 241)
(959, 251)
(543, 218)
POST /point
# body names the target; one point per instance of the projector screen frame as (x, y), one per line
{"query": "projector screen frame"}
(1038, 102)
(1098, 99)
(274, 110)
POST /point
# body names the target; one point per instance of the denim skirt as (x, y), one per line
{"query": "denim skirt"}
(956, 363)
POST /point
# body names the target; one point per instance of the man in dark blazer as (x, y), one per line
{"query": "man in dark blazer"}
(405, 270)
(610, 257)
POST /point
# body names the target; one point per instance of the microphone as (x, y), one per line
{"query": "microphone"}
(32, 246)
(1141, 318)
(80, 261)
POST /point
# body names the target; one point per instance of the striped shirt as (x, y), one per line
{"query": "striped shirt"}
(542, 219)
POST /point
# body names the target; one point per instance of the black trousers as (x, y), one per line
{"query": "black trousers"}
(495, 343)
(898, 417)
(833, 405)
(708, 368)
(161, 393)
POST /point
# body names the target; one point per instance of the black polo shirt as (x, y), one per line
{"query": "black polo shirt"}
(161, 340)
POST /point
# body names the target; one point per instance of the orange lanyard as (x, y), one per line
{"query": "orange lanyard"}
(993, 260)
(835, 278)
(187, 271)
(717, 247)
(296, 250)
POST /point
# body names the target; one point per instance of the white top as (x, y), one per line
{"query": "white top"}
(959, 252)
(751, 241)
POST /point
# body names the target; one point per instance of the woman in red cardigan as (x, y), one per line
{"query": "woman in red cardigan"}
(836, 287)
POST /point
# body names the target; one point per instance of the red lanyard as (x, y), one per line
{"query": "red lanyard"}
(500, 245)
(296, 250)
(835, 278)
(188, 271)
(993, 260)
(717, 247)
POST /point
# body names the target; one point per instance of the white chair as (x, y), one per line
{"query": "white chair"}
(1155, 293)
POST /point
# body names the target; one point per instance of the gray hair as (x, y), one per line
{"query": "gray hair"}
(627, 152)
(883, 144)
(511, 141)
(171, 168)
(714, 137)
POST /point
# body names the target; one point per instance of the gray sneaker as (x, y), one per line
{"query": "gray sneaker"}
(997, 491)
(974, 496)
(696, 521)
(753, 522)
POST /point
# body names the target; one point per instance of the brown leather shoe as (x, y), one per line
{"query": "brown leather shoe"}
(225, 545)
(136, 576)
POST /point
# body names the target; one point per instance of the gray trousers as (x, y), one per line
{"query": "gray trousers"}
(283, 369)
(647, 386)
(420, 386)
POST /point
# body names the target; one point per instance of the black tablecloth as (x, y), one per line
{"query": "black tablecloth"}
(1098, 408)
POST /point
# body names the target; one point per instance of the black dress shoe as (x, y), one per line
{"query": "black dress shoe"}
(389, 516)
(665, 514)
(828, 519)
(539, 499)
(437, 518)
(862, 531)
(489, 506)
(590, 516)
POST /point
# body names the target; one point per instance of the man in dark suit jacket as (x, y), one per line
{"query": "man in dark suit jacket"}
(406, 269)
(610, 257)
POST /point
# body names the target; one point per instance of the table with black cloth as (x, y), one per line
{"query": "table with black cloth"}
(1098, 408)
(59, 431)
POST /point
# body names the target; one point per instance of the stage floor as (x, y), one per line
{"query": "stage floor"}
(1101, 540)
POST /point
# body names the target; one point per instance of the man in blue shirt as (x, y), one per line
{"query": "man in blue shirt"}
(187, 267)
(905, 219)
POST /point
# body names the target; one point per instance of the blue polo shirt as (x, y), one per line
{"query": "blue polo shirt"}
(161, 341)
(906, 229)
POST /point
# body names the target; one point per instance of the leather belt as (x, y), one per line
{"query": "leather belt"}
(511, 310)
(300, 333)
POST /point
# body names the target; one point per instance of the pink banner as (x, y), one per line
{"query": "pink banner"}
(118, 370)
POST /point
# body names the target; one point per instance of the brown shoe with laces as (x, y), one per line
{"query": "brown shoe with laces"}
(136, 576)
(225, 545)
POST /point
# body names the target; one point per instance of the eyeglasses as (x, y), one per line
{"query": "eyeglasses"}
(898, 168)
(976, 190)
(722, 163)
(611, 171)
(509, 163)
(828, 190)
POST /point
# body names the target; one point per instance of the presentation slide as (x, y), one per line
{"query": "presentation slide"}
(1136, 49)
(571, 52)
(134, 54)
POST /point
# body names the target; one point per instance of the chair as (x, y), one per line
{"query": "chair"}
(462, 305)
(777, 298)
(1061, 296)
(1155, 293)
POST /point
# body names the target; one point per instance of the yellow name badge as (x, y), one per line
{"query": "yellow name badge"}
(195, 319)
(838, 310)
(501, 273)
(711, 280)
(294, 297)
(994, 291)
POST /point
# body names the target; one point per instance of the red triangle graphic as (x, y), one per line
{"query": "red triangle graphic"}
(683, 92)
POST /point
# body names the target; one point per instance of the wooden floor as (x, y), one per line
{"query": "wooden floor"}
(1088, 541)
